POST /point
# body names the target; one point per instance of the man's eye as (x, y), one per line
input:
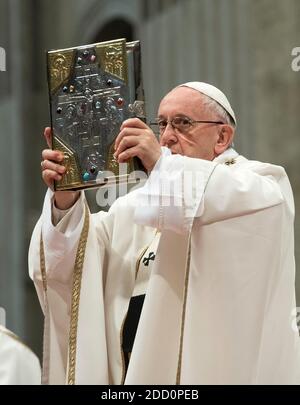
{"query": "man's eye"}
(181, 121)
(178, 121)
(162, 124)
(185, 121)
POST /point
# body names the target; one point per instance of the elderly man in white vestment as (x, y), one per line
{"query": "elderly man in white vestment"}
(18, 364)
(188, 279)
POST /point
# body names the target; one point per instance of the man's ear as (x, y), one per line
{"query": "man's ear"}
(225, 139)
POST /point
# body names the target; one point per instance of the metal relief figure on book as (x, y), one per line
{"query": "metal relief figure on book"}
(92, 90)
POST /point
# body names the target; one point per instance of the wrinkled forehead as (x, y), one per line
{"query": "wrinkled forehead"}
(182, 101)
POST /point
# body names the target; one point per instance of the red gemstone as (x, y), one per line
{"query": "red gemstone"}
(120, 102)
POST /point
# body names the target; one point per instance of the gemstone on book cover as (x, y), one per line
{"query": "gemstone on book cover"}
(92, 90)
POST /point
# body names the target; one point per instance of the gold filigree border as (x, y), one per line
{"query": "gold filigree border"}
(42, 264)
(186, 282)
(10, 334)
(77, 276)
(137, 266)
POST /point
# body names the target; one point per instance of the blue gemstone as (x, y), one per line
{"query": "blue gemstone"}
(86, 176)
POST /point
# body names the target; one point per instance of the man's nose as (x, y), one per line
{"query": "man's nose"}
(168, 137)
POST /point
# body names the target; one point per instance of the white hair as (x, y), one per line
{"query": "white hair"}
(221, 113)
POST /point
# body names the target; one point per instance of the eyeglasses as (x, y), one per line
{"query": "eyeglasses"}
(182, 124)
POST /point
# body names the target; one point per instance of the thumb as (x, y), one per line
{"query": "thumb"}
(48, 136)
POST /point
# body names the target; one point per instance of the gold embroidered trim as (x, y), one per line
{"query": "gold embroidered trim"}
(138, 262)
(10, 334)
(122, 354)
(186, 281)
(75, 292)
(46, 360)
(137, 266)
(42, 264)
(123, 322)
(77, 276)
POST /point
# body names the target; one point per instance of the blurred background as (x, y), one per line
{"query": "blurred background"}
(241, 46)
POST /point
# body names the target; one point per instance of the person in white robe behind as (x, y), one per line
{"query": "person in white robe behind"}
(18, 364)
(188, 279)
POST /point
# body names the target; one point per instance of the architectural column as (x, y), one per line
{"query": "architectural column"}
(19, 74)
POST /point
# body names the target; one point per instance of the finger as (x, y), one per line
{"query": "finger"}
(128, 131)
(134, 123)
(48, 165)
(125, 143)
(54, 155)
(128, 154)
(49, 176)
(48, 136)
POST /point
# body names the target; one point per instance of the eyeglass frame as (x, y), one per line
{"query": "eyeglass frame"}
(191, 122)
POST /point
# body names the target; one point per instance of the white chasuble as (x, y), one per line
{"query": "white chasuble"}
(220, 295)
(18, 364)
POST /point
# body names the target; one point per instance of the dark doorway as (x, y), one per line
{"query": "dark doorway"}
(115, 29)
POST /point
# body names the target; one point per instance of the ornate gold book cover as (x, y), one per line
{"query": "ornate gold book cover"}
(92, 90)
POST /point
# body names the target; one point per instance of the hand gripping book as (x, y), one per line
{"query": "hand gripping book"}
(92, 90)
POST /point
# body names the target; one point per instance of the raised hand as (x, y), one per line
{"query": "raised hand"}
(137, 139)
(52, 169)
